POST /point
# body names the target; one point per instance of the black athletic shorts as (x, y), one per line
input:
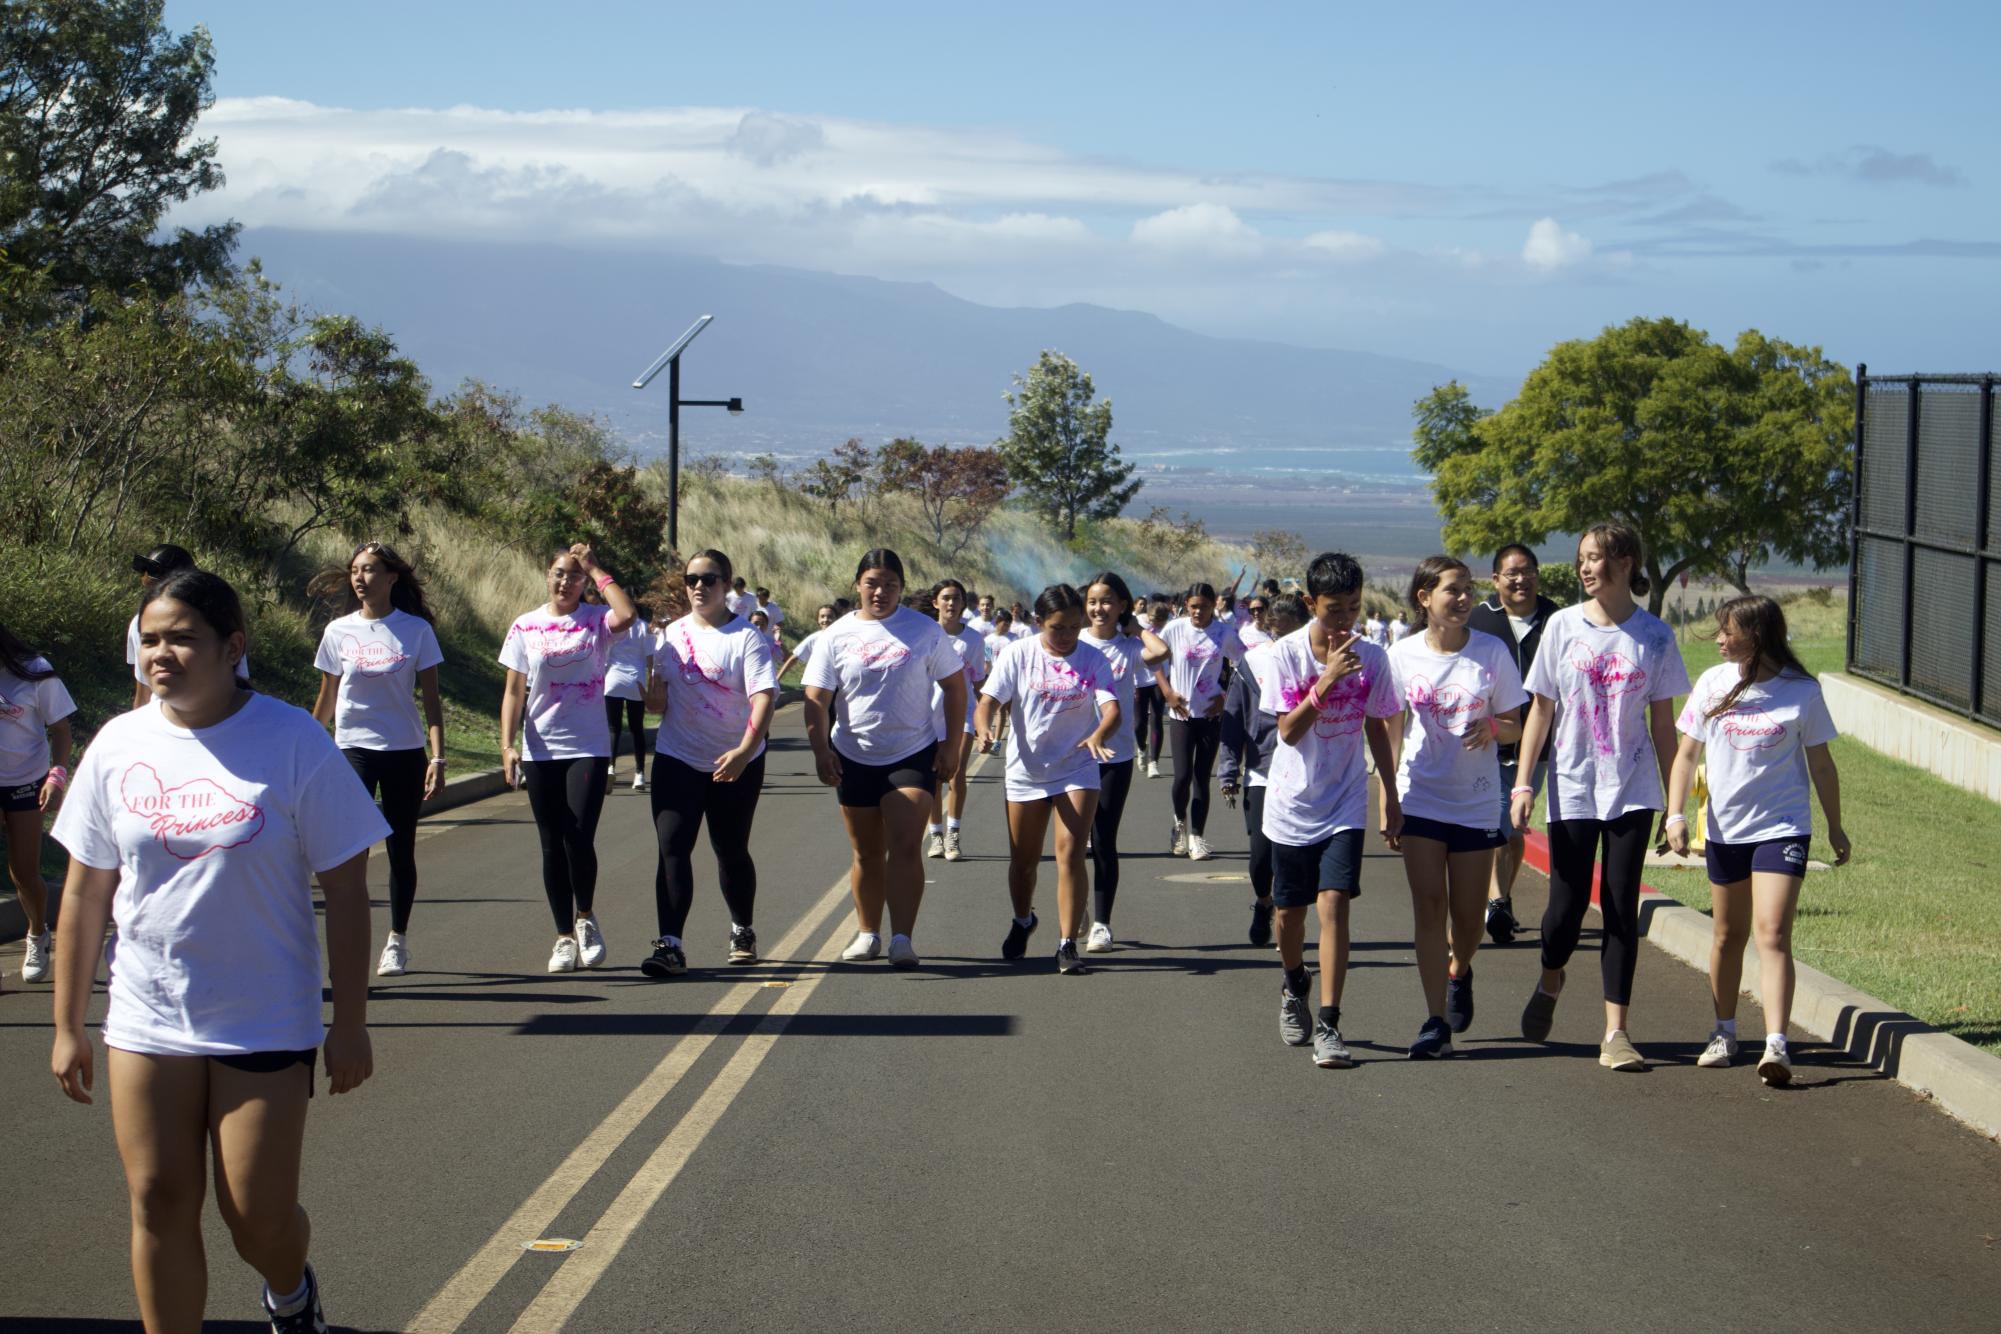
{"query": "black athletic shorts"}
(1455, 837)
(866, 785)
(26, 797)
(1299, 876)
(271, 1062)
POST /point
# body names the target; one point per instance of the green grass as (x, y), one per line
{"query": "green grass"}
(1905, 921)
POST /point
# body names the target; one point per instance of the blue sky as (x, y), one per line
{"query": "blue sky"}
(1462, 183)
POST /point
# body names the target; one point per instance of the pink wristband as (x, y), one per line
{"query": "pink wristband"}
(605, 581)
(1313, 696)
(59, 776)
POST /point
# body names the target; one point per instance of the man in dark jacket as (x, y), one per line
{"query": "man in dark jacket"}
(1515, 615)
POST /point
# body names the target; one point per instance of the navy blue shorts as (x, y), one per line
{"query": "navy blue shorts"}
(1299, 876)
(1730, 863)
(1455, 837)
(865, 785)
(24, 797)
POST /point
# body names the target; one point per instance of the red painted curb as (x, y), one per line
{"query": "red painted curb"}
(1535, 853)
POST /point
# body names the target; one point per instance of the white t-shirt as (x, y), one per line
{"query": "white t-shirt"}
(1143, 677)
(1374, 630)
(1258, 662)
(711, 673)
(735, 601)
(1122, 654)
(377, 663)
(803, 650)
(132, 655)
(564, 659)
(1448, 695)
(1196, 668)
(975, 621)
(1398, 629)
(27, 708)
(1249, 634)
(1759, 788)
(773, 614)
(1321, 786)
(625, 669)
(1056, 706)
(1521, 625)
(883, 672)
(216, 835)
(1020, 629)
(995, 643)
(972, 650)
(1602, 679)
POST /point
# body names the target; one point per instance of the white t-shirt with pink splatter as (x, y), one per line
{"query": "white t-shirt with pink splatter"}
(1448, 695)
(971, 646)
(377, 662)
(711, 674)
(1195, 669)
(1602, 679)
(1321, 785)
(882, 672)
(1056, 702)
(1755, 755)
(1122, 651)
(564, 659)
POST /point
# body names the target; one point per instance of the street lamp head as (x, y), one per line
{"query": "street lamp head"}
(736, 407)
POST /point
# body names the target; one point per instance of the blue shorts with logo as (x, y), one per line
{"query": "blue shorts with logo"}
(1730, 863)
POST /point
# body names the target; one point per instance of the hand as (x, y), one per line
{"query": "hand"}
(51, 793)
(828, 766)
(434, 780)
(983, 742)
(1342, 662)
(731, 763)
(1392, 829)
(71, 1063)
(1837, 838)
(1100, 752)
(947, 762)
(1215, 708)
(656, 695)
(1480, 736)
(510, 766)
(1677, 838)
(1230, 795)
(1519, 807)
(585, 556)
(350, 1057)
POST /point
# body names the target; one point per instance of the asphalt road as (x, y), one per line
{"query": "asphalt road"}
(983, 1145)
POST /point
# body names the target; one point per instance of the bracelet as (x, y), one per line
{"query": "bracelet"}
(59, 776)
(1677, 816)
(1517, 791)
(605, 581)
(1313, 696)
(439, 762)
(1494, 728)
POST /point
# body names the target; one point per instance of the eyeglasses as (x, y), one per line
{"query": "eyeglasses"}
(708, 579)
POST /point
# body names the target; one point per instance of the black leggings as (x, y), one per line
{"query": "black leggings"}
(396, 779)
(1114, 782)
(1254, 825)
(631, 712)
(1147, 714)
(1573, 846)
(1193, 744)
(567, 796)
(682, 796)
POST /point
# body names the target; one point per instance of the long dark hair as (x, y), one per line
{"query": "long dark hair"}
(1426, 577)
(880, 558)
(406, 594)
(1111, 580)
(1763, 622)
(1619, 542)
(1200, 589)
(15, 657)
(717, 559)
(1057, 598)
(209, 595)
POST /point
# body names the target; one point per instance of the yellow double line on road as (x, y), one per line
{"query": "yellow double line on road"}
(581, 1269)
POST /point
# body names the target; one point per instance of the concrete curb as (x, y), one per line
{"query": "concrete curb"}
(1961, 1079)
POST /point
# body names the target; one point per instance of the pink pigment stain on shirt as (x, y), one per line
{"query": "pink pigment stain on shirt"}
(1606, 676)
(1451, 708)
(190, 819)
(558, 645)
(703, 678)
(1341, 706)
(1061, 683)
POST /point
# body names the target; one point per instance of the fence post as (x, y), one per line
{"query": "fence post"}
(1976, 693)
(1855, 509)
(1910, 526)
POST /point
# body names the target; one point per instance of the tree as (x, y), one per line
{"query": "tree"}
(956, 489)
(1278, 553)
(1057, 447)
(98, 104)
(1716, 458)
(839, 476)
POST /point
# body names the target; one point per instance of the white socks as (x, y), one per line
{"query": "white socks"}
(951, 822)
(1728, 1028)
(1025, 922)
(935, 829)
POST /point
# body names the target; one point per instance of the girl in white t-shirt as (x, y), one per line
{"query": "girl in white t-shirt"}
(369, 660)
(556, 657)
(802, 652)
(152, 567)
(1761, 717)
(625, 676)
(1113, 632)
(1603, 685)
(948, 805)
(1461, 696)
(34, 769)
(1193, 649)
(1066, 712)
(715, 690)
(872, 676)
(198, 824)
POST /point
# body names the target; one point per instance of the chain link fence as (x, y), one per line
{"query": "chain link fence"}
(1924, 581)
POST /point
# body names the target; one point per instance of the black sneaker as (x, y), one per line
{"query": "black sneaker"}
(1067, 958)
(1501, 923)
(666, 961)
(1260, 924)
(1016, 944)
(308, 1319)
(1434, 1039)
(743, 946)
(1459, 1002)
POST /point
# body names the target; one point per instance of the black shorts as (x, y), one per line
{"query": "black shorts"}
(26, 797)
(271, 1062)
(1730, 863)
(1455, 837)
(1299, 876)
(866, 785)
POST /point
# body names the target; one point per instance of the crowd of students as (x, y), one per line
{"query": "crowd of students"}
(196, 822)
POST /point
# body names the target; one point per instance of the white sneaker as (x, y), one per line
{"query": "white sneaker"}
(1177, 841)
(611, 770)
(901, 955)
(590, 942)
(935, 846)
(1775, 1067)
(639, 782)
(865, 946)
(1722, 1049)
(1198, 848)
(35, 963)
(1153, 769)
(563, 959)
(395, 960)
(952, 852)
(1100, 939)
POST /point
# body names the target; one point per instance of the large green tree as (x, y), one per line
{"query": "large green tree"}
(1058, 446)
(98, 103)
(1720, 458)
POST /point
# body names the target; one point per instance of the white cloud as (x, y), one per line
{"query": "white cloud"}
(1214, 228)
(1549, 247)
(1342, 245)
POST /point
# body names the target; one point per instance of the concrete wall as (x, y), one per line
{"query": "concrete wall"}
(1963, 753)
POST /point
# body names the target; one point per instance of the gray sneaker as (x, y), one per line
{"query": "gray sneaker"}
(1177, 840)
(935, 845)
(1329, 1052)
(1295, 1020)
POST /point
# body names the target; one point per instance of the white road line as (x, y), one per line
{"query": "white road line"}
(581, 1269)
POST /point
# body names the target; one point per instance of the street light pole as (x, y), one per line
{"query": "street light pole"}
(671, 360)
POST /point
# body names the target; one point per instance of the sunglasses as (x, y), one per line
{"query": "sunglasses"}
(707, 580)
